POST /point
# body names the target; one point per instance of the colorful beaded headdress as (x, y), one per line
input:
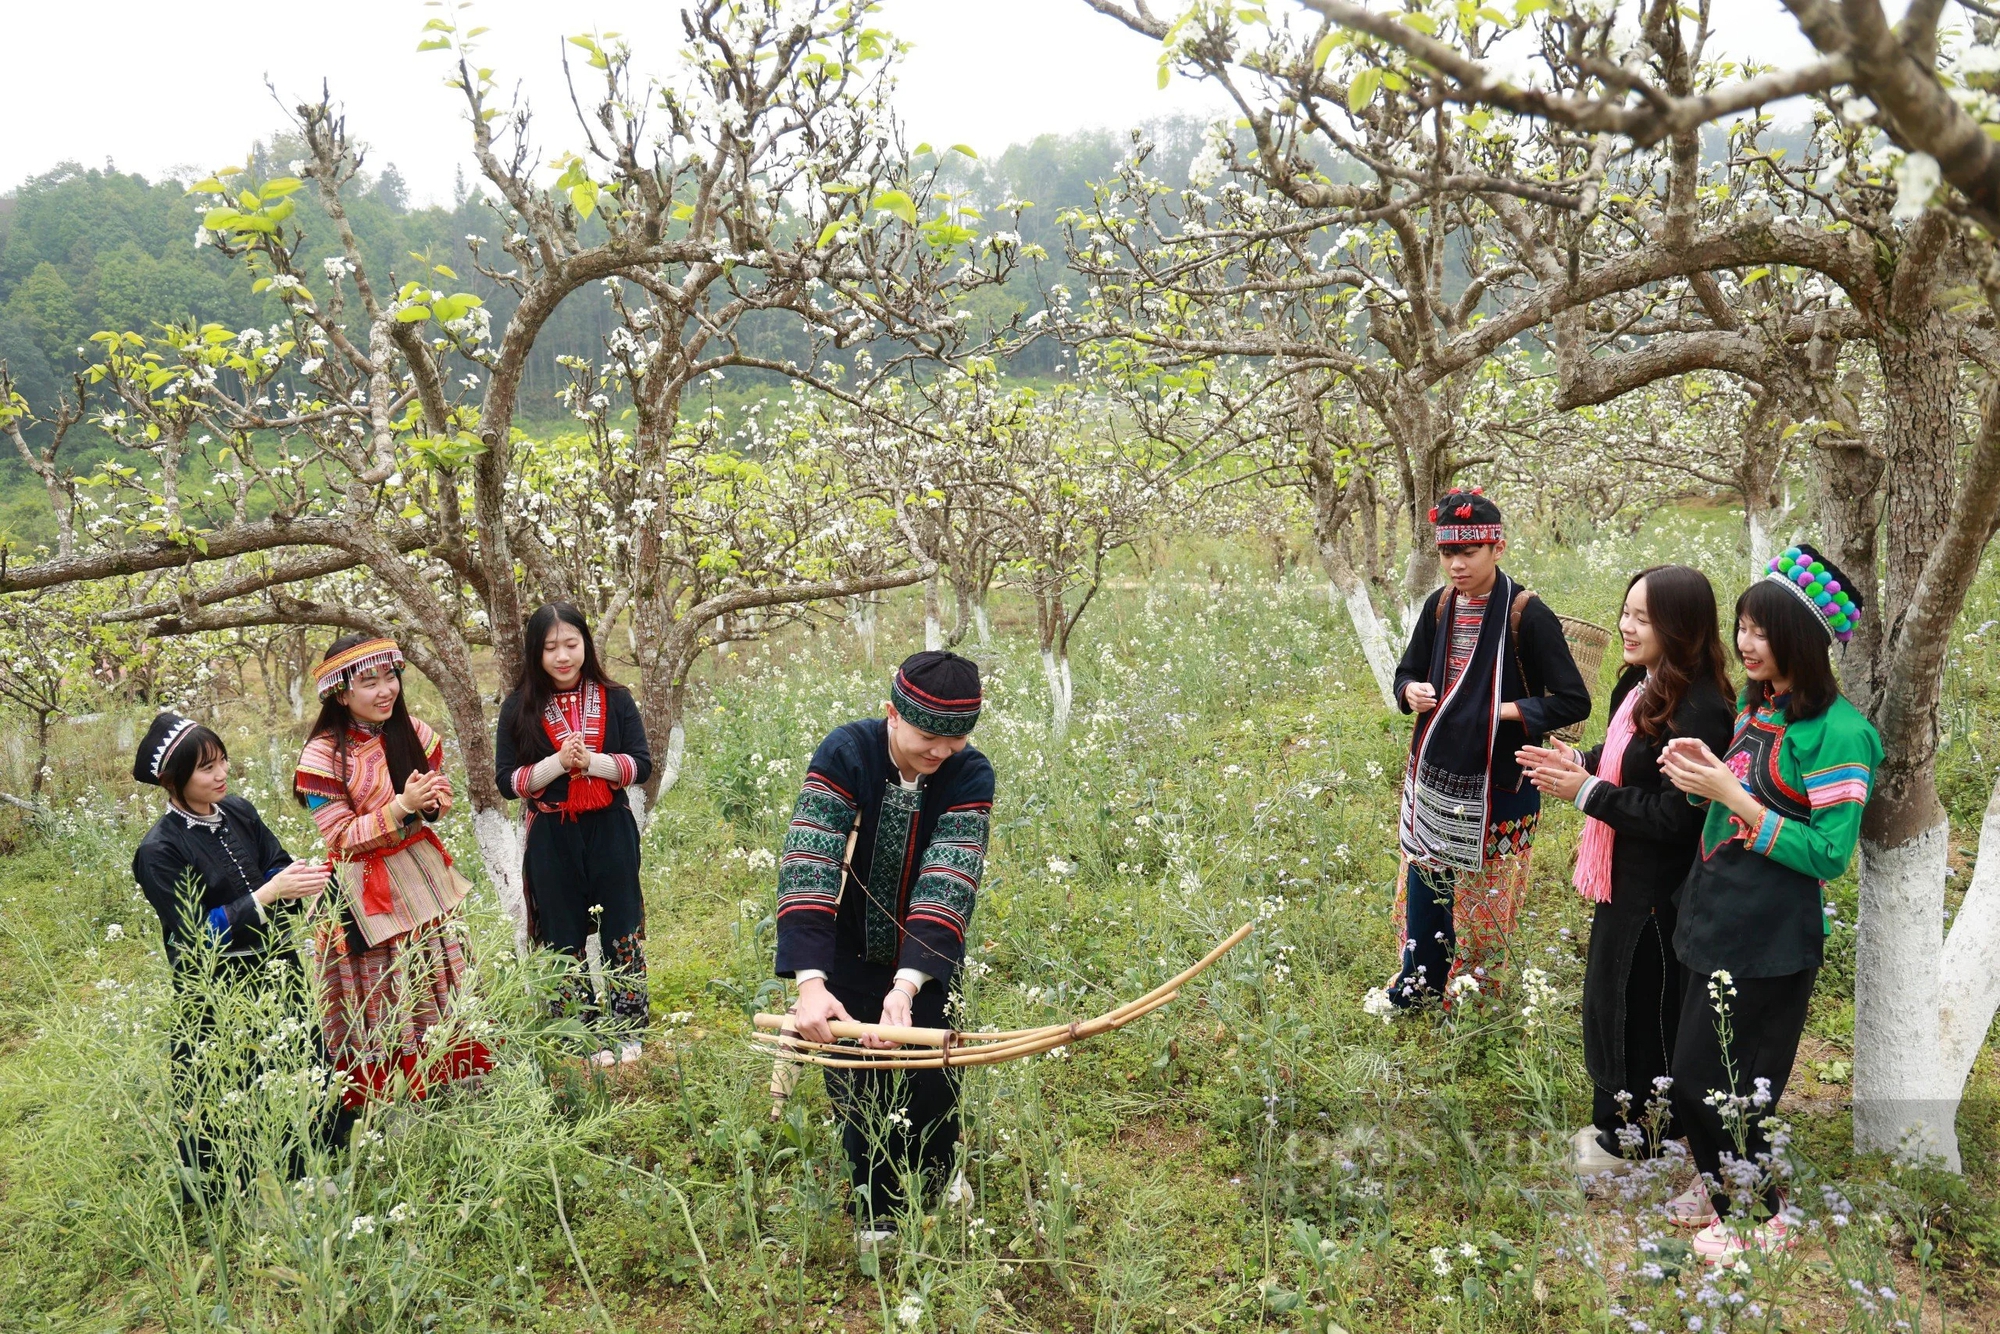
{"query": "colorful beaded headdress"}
(1466, 518)
(340, 668)
(937, 692)
(1820, 584)
(162, 739)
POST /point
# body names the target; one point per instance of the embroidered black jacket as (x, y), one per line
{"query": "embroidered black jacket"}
(225, 861)
(916, 869)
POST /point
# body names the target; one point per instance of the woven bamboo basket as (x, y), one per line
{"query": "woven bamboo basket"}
(1587, 643)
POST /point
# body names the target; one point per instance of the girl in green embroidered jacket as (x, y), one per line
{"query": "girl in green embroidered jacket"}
(1784, 814)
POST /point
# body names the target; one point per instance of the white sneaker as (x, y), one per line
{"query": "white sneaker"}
(1589, 1158)
(874, 1240)
(630, 1052)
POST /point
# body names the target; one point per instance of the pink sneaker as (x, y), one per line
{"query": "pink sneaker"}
(1692, 1207)
(1719, 1243)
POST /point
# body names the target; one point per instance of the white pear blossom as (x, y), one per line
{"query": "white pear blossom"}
(1917, 178)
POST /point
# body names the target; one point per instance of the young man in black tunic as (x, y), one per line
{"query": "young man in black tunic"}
(1487, 671)
(876, 934)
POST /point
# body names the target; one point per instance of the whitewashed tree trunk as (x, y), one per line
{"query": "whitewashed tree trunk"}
(1761, 547)
(635, 797)
(296, 691)
(499, 840)
(1923, 999)
(1899, 936)
(1056, 671)
(982, 625)
(861, 617)
(1420, 576)
(1345, 585)
(1968, 981)
(670, 763)
(1375, 644)
(933, 615)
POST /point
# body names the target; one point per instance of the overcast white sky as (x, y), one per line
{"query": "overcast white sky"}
(149, 90)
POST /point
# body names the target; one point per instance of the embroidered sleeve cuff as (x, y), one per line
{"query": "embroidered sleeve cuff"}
(915, 976)
(1590, 785)
(1766, 836)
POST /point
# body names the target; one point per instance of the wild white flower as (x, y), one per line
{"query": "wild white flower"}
(400, 1212)
(363, 1225)
(1856, 109)
(1377, 1003)
(1441, 1261)
(115, 931)
(911, 1310)
(1058, 866)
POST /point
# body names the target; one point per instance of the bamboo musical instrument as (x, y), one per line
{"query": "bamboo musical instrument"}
(942, 1048)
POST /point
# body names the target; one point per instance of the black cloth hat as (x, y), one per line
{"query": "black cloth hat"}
(938, 692)
(1465, 518)
(161, 740)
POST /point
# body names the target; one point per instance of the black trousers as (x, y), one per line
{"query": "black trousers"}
(196, 1026)
(1652, 1022)
(894, 1122)
(1766, 1017)
(583, 877)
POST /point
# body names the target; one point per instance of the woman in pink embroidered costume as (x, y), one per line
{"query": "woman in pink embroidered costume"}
(393, 954)
(1638, 842)
(569, 742)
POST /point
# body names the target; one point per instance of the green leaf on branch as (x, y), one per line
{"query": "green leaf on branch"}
(412, 314)
(897, 203)
(1362, 91)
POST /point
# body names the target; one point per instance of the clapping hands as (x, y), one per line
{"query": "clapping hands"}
(1555, 769)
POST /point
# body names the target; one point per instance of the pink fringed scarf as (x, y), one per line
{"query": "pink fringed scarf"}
(1593, 853)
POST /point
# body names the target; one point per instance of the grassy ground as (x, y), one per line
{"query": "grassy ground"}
(1262, 1153)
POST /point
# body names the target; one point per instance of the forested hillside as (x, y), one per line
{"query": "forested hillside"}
(90, 248)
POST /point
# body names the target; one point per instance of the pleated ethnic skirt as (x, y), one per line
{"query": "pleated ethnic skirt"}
(387, 1010)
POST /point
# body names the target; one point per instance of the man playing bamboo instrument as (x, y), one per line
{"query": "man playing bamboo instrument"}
(874, 929)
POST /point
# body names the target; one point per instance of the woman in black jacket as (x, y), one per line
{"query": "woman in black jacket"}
(220, 881)
(570, 741)
(1637, 845)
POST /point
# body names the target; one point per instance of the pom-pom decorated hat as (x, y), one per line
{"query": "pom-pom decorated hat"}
(1466, 518)
(339, 669)
(937, 692)
(1818, 583)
